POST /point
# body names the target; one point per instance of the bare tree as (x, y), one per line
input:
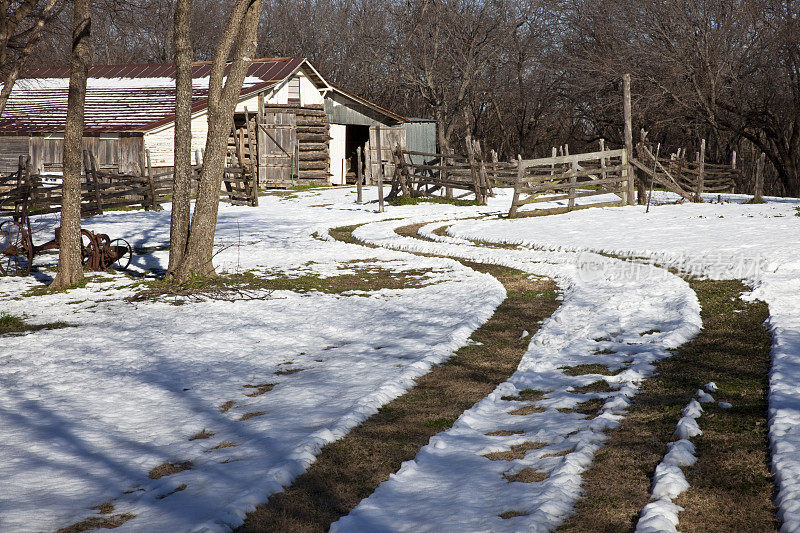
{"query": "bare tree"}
(70, 267)
(225, 84)
(21, 26)
(180, 218)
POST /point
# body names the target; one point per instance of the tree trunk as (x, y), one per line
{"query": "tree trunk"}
(179, 224)
(70, 268)
(241, 31)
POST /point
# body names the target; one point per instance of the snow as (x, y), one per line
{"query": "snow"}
(661, 514)
(89, 410)
(729, 240)
(450, 484)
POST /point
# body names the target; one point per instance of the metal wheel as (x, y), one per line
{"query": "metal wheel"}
(14, 255)
(88, 247)
(124, 253)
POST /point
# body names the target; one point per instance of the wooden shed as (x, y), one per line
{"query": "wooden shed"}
(290, 123)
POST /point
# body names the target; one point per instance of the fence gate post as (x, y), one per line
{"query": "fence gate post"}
(701, 167)
(379, 155)
(572, 183)
(359, 177)
(150, 184)
(517, 185)
(626, 111)
(759, 185)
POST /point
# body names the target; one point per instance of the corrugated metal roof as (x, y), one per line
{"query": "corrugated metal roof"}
(121, 98)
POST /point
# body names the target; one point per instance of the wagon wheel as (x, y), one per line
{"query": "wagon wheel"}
(90, 250)
(123, 253)
(15, 254)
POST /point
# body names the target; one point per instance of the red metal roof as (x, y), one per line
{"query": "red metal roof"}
(121, 98)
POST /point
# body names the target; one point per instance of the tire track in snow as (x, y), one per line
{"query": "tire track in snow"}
(605, 311)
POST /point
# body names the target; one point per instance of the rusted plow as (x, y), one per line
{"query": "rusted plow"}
(98, 251)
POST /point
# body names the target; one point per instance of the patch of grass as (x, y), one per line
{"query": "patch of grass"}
(526, 395)
(408, 200)
(526, 475)
(105, 507)
(731, 485)
(168, 469)
(589, 407)
(527, 410)
(45, 289)
(203, 434)
(511, 514)
(252, 414)
(593, 368)
(289, 372)
(179, 488)
(516, 451)
(225, 407)
(259, 389)
(367, 278)
(348, 470)
(753, 201)
(224, 444)
(599, 386)
(14, 324)
(440, 424)
(97, 522)
(504, 433)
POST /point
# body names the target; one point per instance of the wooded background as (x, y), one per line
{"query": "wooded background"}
(521, 75)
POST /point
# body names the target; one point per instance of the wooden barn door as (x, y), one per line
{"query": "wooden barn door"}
(391, 137)
(277, 142)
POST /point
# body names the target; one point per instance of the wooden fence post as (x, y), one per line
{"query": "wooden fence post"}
(701, 167)
(379, 155)
(150, 183)
(603, 173)
(251, 143)
(472, 170)
(359, 177)
(90, 164)
(627, 115)
(517, 185)
(759, 185)
(572, 184)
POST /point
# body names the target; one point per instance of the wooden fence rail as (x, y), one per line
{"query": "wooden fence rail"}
(105, 190)
(569, 177)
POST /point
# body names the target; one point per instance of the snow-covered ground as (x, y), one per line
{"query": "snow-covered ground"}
(757, 243)
(612, 319)
(87, 411)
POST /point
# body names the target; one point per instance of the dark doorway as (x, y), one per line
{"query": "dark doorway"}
(355, 136)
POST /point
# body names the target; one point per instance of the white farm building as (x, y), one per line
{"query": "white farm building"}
(293, 123)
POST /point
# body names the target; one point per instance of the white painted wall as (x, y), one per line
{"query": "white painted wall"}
(337, 149)
(251, 104)
(161, 141)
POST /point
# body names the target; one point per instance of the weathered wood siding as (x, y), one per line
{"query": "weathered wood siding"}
(10, 150)
(47, 152)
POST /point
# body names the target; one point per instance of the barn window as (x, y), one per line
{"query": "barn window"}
(294, 90)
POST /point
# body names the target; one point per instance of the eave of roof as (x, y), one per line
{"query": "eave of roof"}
(367, 103)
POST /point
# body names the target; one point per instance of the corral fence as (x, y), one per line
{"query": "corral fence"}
(683, 176)
(569, 177)
(102, 190)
